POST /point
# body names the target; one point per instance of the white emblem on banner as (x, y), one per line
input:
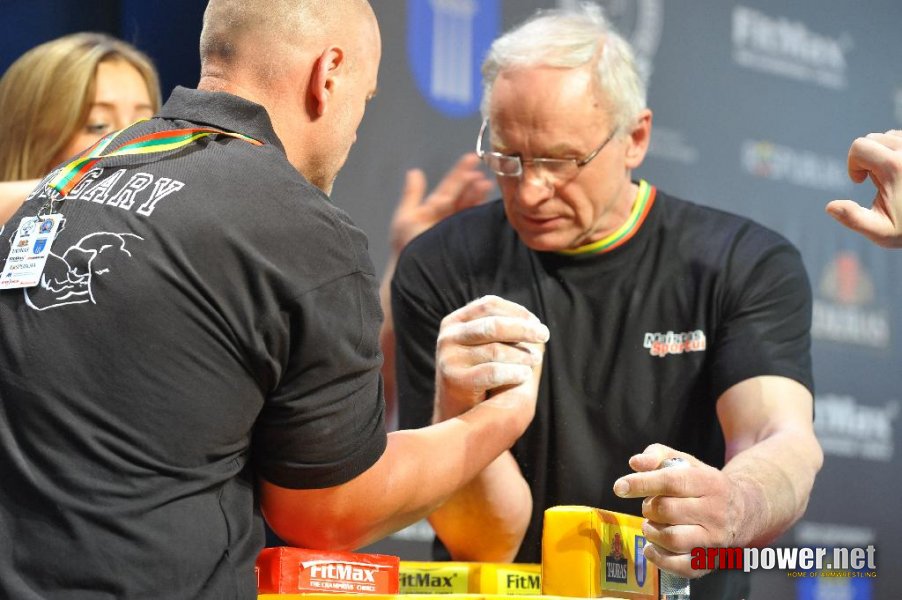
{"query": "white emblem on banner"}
(851, 429)
(452, 45)
(847, 308)
(789, 49)
(768, 160)
(447, 41)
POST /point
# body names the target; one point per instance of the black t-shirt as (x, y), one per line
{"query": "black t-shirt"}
(644, 339)
(207, 317)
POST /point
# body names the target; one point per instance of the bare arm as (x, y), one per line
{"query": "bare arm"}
(772, 457)
(877, 156)
(12, 195)
(487, 519)
(772, 454)
(493, 345)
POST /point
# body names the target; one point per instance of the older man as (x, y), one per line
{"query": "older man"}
(206, 345)
(677, 330)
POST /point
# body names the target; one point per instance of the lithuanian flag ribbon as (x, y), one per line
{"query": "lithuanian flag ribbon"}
(161, 141)
(644, 201)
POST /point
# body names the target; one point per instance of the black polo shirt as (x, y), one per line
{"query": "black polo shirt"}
(207, 317)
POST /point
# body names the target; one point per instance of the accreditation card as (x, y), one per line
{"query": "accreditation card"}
(29, 251)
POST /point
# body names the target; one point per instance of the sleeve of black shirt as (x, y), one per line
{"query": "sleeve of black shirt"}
(324, 423)
(767, 313)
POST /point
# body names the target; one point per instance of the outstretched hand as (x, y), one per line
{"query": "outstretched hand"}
(877, 156)
(463, 186)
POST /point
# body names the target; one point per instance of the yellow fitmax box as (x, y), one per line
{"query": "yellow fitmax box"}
(438, 577)
(510, 579)
(469, 578)
(593, 553)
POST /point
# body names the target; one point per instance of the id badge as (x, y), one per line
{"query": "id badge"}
(29, 251)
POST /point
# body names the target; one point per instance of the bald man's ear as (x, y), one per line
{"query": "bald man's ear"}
(325, 72)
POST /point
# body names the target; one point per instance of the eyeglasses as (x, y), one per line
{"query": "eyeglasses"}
(558, 169)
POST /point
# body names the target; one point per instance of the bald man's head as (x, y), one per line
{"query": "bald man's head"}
(312, 64)
(261, 35)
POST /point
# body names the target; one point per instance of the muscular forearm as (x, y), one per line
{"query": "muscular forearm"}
(487, 519)
(419, 470)
(772, 481)
(772, 457)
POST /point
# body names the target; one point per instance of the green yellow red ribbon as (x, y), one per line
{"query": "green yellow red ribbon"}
(160, 141)
(644, 200)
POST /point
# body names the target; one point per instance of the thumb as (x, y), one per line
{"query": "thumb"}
(857, 218)
(849, 213)
(840, 209)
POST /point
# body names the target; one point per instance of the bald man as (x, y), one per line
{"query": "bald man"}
(205, 350)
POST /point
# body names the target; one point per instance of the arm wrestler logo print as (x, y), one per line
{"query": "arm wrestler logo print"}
(68, 279)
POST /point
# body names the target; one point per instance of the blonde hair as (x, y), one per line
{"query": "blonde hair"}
(46, 95)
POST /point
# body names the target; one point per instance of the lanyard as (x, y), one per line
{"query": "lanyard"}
(162, 141)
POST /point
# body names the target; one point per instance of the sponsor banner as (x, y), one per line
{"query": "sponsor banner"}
(810, 533)
(850, 429)
(834, 535)
(846, 308)
(768, 160)
(785, 48)
(834, 588)
(672, 145)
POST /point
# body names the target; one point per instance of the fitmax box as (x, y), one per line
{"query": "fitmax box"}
(593, 553)
(285, 570)
(503, 579)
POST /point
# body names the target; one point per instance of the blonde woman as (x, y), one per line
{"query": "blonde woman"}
(61, 97)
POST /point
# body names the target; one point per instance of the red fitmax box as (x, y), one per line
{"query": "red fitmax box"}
(284, 570)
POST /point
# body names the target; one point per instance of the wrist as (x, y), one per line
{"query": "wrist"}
(501, 423)
(449, 405)
(747, 511)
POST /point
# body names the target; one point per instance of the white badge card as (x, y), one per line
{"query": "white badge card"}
(29, 251)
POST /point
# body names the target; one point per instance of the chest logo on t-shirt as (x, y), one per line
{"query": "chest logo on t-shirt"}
(671, 342)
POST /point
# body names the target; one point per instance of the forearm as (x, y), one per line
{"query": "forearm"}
(419, 470)
(772, 481)
(486, 520)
